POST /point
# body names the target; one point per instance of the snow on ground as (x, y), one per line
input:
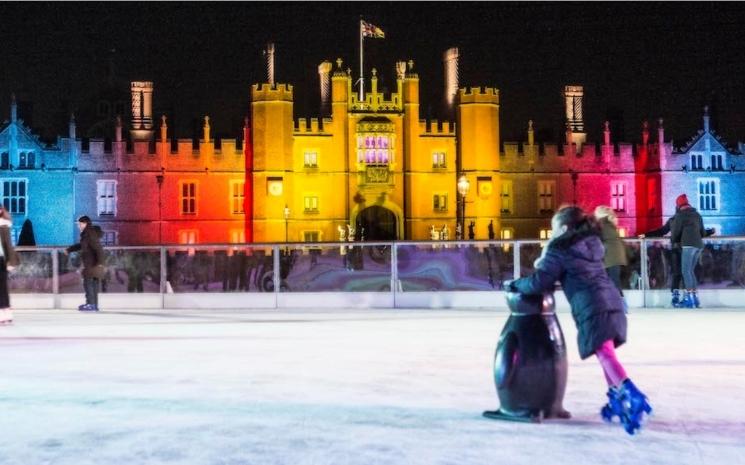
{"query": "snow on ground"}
(351, 387)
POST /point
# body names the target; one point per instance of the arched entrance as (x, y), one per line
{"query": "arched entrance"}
(377, 224)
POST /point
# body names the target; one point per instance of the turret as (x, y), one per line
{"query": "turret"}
(324, 79)
(706, 118)
(13, 109)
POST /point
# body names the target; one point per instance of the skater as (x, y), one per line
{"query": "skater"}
(574, 256)
(615, 258)
(92, 256)
(688, 231)
(675, 256)
(8, 261)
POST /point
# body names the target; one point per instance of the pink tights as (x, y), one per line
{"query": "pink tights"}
(612, 368)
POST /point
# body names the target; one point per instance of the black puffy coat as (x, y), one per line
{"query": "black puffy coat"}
(576, 260)
(687, 228)
(91, 252)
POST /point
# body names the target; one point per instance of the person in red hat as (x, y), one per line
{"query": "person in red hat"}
(687, 232)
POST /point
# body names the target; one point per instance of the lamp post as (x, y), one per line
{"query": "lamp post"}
(463, 187)
(287, 217)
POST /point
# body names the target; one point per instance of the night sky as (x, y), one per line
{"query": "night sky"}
(636, 60)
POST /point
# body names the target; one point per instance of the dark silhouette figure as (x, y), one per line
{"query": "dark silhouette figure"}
(471, 234)
(491, 230)
(26, 237)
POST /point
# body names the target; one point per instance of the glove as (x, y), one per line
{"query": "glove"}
(508, 286)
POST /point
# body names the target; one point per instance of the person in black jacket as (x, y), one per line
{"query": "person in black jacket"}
(688, 231)
(92, 256)
(574, 256)
(675, 256)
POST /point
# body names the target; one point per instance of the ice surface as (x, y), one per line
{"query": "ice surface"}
(351, 387)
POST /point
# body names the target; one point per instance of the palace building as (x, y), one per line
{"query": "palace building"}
(368, 166)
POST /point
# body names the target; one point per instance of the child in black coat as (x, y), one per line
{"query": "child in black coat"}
(574, 256)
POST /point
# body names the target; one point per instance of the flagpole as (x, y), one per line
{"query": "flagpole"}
(362, 70)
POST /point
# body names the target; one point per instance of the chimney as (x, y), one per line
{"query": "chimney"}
(163, 129)
(142, 110)
(645, 133)
(660, 138)
(450, 61)
(118, 129)
(206, 129)
(531, 133)
(569, 134)
(606, 133)
(324, 78)
(269, 54)
(706, 118)
(71, 130)
(13, 108)
(573, 96)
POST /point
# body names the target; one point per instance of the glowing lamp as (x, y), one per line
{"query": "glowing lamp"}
(463, 185)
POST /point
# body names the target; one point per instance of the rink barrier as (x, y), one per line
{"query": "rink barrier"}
(403, 274)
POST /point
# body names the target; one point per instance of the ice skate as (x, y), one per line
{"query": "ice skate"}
(687, 301)
(6, 317)
(613, 408)
(88, 308)
(694, 298)
(675, 302)
(635, 407)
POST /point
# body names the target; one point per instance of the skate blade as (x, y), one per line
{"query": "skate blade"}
(500, 415)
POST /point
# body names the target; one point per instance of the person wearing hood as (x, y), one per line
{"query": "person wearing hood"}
(574, 256)
(688, 232)
(92, 256)
(8, 261)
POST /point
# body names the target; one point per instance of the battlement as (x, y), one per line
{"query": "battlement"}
(436, 127)
(478, 95)
(270, 93)
(301, 126)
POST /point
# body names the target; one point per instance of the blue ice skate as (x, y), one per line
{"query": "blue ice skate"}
(694, 298)
(676, 299)
(634, 406)
(613, 408)
(687, 301)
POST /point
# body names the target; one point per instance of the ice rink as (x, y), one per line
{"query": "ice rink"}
(383, 387)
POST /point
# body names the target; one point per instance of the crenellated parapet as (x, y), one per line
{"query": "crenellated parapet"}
(312, 126)
(436, 128)
(479, 95)
(271, 93)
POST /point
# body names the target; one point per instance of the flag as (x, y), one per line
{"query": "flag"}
(369, 30)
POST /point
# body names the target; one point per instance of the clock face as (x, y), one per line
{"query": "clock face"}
(274, 188)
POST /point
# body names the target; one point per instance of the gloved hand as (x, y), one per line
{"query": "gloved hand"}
(508, 286)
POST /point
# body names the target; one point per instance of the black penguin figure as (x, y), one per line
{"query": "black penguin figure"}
(530, 364)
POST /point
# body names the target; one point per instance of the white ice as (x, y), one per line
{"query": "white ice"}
(353, 387)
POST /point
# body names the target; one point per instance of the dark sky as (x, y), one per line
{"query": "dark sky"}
(636, 60)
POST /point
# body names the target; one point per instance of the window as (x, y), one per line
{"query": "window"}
(4, 161)
(438, 160)
(506, 196)
(310, 159)
(708, 194)
(440, 202)
(545, 233)
(188, 198)
(109, 238)
(106, 197)
(14, 196)
(237, 236)
(26, 160)
(187, 236)
(717, 162)
(507, 233)
(618, 196)
(237, 197)
(15, 232)
(546, 196)
(311, 236)
(623, 232)
(274, 186)
(374, 149)
(311, 204)
(697, 161)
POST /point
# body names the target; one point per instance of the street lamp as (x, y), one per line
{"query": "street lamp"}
(463, 187)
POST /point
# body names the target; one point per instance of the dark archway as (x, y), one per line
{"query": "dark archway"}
(376, 224)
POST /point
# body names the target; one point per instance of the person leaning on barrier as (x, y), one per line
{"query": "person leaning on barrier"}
(676, 250)
(8, 261)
